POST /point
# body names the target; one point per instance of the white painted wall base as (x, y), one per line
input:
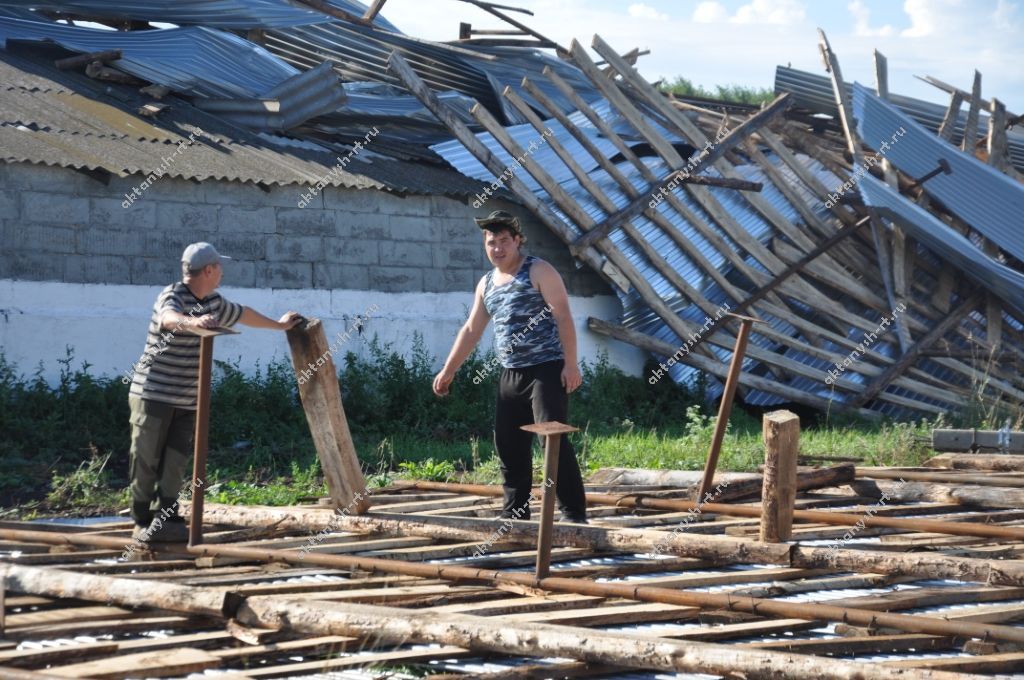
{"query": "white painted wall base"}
(106, 324)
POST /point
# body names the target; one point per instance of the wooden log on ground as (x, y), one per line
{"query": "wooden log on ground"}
(734, 484)
(991, 462)
(321, 400)
(993, 441)
(781, 446)
(931, 492)
(481, 634)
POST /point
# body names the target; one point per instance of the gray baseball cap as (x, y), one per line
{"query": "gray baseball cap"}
(198, 255)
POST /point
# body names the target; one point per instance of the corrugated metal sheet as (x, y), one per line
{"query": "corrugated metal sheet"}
(233, 14)
(1004, 282)
(293, 102)
(980, 195)
(361, 54)
(200, 61)
(814, 92)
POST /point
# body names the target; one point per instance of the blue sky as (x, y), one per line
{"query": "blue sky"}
(741, 41)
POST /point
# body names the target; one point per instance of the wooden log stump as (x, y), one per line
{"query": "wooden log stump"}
(781, 446)
(320, 394)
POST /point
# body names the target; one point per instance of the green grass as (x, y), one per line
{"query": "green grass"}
(65, 447)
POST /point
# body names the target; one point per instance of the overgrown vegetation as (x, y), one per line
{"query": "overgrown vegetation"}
(64, 447)
(740, 94)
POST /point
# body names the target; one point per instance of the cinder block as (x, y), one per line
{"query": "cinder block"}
(9, 205)
(29, 238)
(28, 267)
(195, 216)
(284, 274)
(171, 244)
(304, 197)
(396, 279)
(51, 179)
(351, 251)
(457, 256)
(241, 274)
(94, 241)
(406, 227)
(360, 225)
(53, 208)
(110, 212)
(166, 188)
(446, 206)
(309, 221)
(252, 220)
(240, 246)
(154, 271)
(354, 200)
(458, 230)
(332, 276)
(411, 205)
(97, 269)
(449, 280)
(408, 253)
(295, 248)
(236, 193)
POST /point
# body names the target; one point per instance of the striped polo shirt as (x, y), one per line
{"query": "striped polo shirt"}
(169, 368)
(525, 332)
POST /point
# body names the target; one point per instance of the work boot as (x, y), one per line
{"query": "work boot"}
(142, 514)
(140, 533)
(170, 530)
(575, 517)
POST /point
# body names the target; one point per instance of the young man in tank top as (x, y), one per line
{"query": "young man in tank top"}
(535, 341)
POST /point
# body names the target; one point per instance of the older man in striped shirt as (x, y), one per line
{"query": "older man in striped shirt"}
(164, 387)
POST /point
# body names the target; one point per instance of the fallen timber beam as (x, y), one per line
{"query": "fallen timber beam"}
(476, 633)
(816, 516)
(727, 550)
(933, 492)
(941, 477)
(992, 462)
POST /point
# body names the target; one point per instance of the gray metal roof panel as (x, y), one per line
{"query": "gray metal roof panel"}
(200, 61)
(233, 14)
(980, 195)
(996, 277)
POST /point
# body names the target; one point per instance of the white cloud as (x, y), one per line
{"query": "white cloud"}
(966, 38)
(782, 12)
(710, 12)
(642, 11)
(930, 17)
(862, 21)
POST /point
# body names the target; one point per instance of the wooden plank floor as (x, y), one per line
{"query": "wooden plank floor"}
(74, 638)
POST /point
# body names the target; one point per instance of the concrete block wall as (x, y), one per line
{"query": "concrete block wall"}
(77, 269)
(60, 225)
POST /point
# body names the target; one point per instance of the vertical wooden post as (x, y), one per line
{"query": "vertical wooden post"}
(552, 433)
(195, 527)
(781, 446)
(321, 400)
(3, 605)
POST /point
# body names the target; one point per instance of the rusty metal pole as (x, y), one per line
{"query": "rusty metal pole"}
(195, 526)
(552, 433)
(725, 408)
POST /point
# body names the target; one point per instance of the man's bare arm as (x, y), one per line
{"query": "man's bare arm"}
(466, 339)
(552, 289)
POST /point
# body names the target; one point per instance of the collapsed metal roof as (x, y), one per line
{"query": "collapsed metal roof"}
(688, 210)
